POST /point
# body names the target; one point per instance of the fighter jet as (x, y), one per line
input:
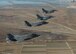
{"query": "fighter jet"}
(43, 17)
(19, 38)
(35, 24)
(47, 11)
(11, 37)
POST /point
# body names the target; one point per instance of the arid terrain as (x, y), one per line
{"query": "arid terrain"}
(56, 37)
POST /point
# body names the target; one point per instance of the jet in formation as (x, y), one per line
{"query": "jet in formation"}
(48, 11)
(36, 23)
(19, 38)
(44, 17)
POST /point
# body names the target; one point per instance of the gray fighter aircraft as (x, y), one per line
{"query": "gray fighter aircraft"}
(18, 38)
(47, 11)
(35, 24)
(44, 17)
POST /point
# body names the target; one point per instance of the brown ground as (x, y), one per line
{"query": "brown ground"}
(57, 37)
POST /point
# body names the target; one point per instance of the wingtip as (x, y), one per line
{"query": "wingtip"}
(28, 24)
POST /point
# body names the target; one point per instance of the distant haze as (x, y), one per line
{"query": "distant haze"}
(57, 2)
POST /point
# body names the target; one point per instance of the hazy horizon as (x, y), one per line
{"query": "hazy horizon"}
(56, 2)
